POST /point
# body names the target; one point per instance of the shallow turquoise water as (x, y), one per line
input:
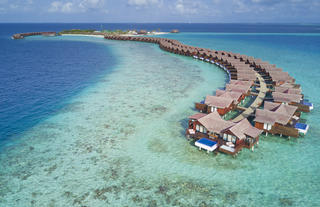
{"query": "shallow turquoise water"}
(120, 142)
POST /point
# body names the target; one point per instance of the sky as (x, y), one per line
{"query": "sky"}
(175, 11)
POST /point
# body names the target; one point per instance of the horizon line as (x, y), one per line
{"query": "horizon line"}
(312, 23)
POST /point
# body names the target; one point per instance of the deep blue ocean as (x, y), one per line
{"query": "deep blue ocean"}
(37, 77)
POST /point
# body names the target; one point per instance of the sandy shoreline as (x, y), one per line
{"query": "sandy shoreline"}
(150, 34)
(101, 36)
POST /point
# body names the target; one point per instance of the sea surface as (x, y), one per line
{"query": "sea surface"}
(86, 121)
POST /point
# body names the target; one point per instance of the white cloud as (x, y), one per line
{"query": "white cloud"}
(240, 7)
(77, 6)
(91, 4)
(186, 7)
(67, 7)
(55, 6)
(143, 3)
(16, 5)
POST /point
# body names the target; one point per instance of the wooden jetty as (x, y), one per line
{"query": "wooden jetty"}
(245, 74)
(23, 35)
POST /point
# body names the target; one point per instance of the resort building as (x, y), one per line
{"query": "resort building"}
(219, 103)
(235, 96)
(248, 76)
(283, 89)
(241, 88)
(279, 119)
(241, 134)
(230, 137)
(286, 98)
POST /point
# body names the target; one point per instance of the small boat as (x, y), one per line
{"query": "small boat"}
(195, 57)
(201, 58)
(207, 60)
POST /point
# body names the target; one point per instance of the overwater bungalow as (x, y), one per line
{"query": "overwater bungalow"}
(220, 104)
(246, 76)
(290, 85)
(282, 89)
(292, 99)
(245, 72)
(241, 134)
(235, 96)
(241, 82)
(230, 137)
(279, 119)
(280, 77)
(244, 89)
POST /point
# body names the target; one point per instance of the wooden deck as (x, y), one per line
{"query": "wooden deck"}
(284, 130)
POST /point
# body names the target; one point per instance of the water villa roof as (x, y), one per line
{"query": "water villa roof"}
(235, 96)
(218, 102)
(290, 85)
(243, 129)
(275, 113)
(197, 116)
(246, 76)
(238, 88)
(271, 106)
(286, 97)
(214, 123)
(241, 82)
(280, 76)
(282, 89)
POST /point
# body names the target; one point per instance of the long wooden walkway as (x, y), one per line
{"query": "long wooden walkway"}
(221, 58)
(257, 102)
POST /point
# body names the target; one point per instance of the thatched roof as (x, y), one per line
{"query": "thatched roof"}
(286, 97)
(282, 89)
(228, 94)
(240, 82)
(197, 116)
(214, 123)
(218, 102)
(238, 88)
(243, 129)
(275, 113)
